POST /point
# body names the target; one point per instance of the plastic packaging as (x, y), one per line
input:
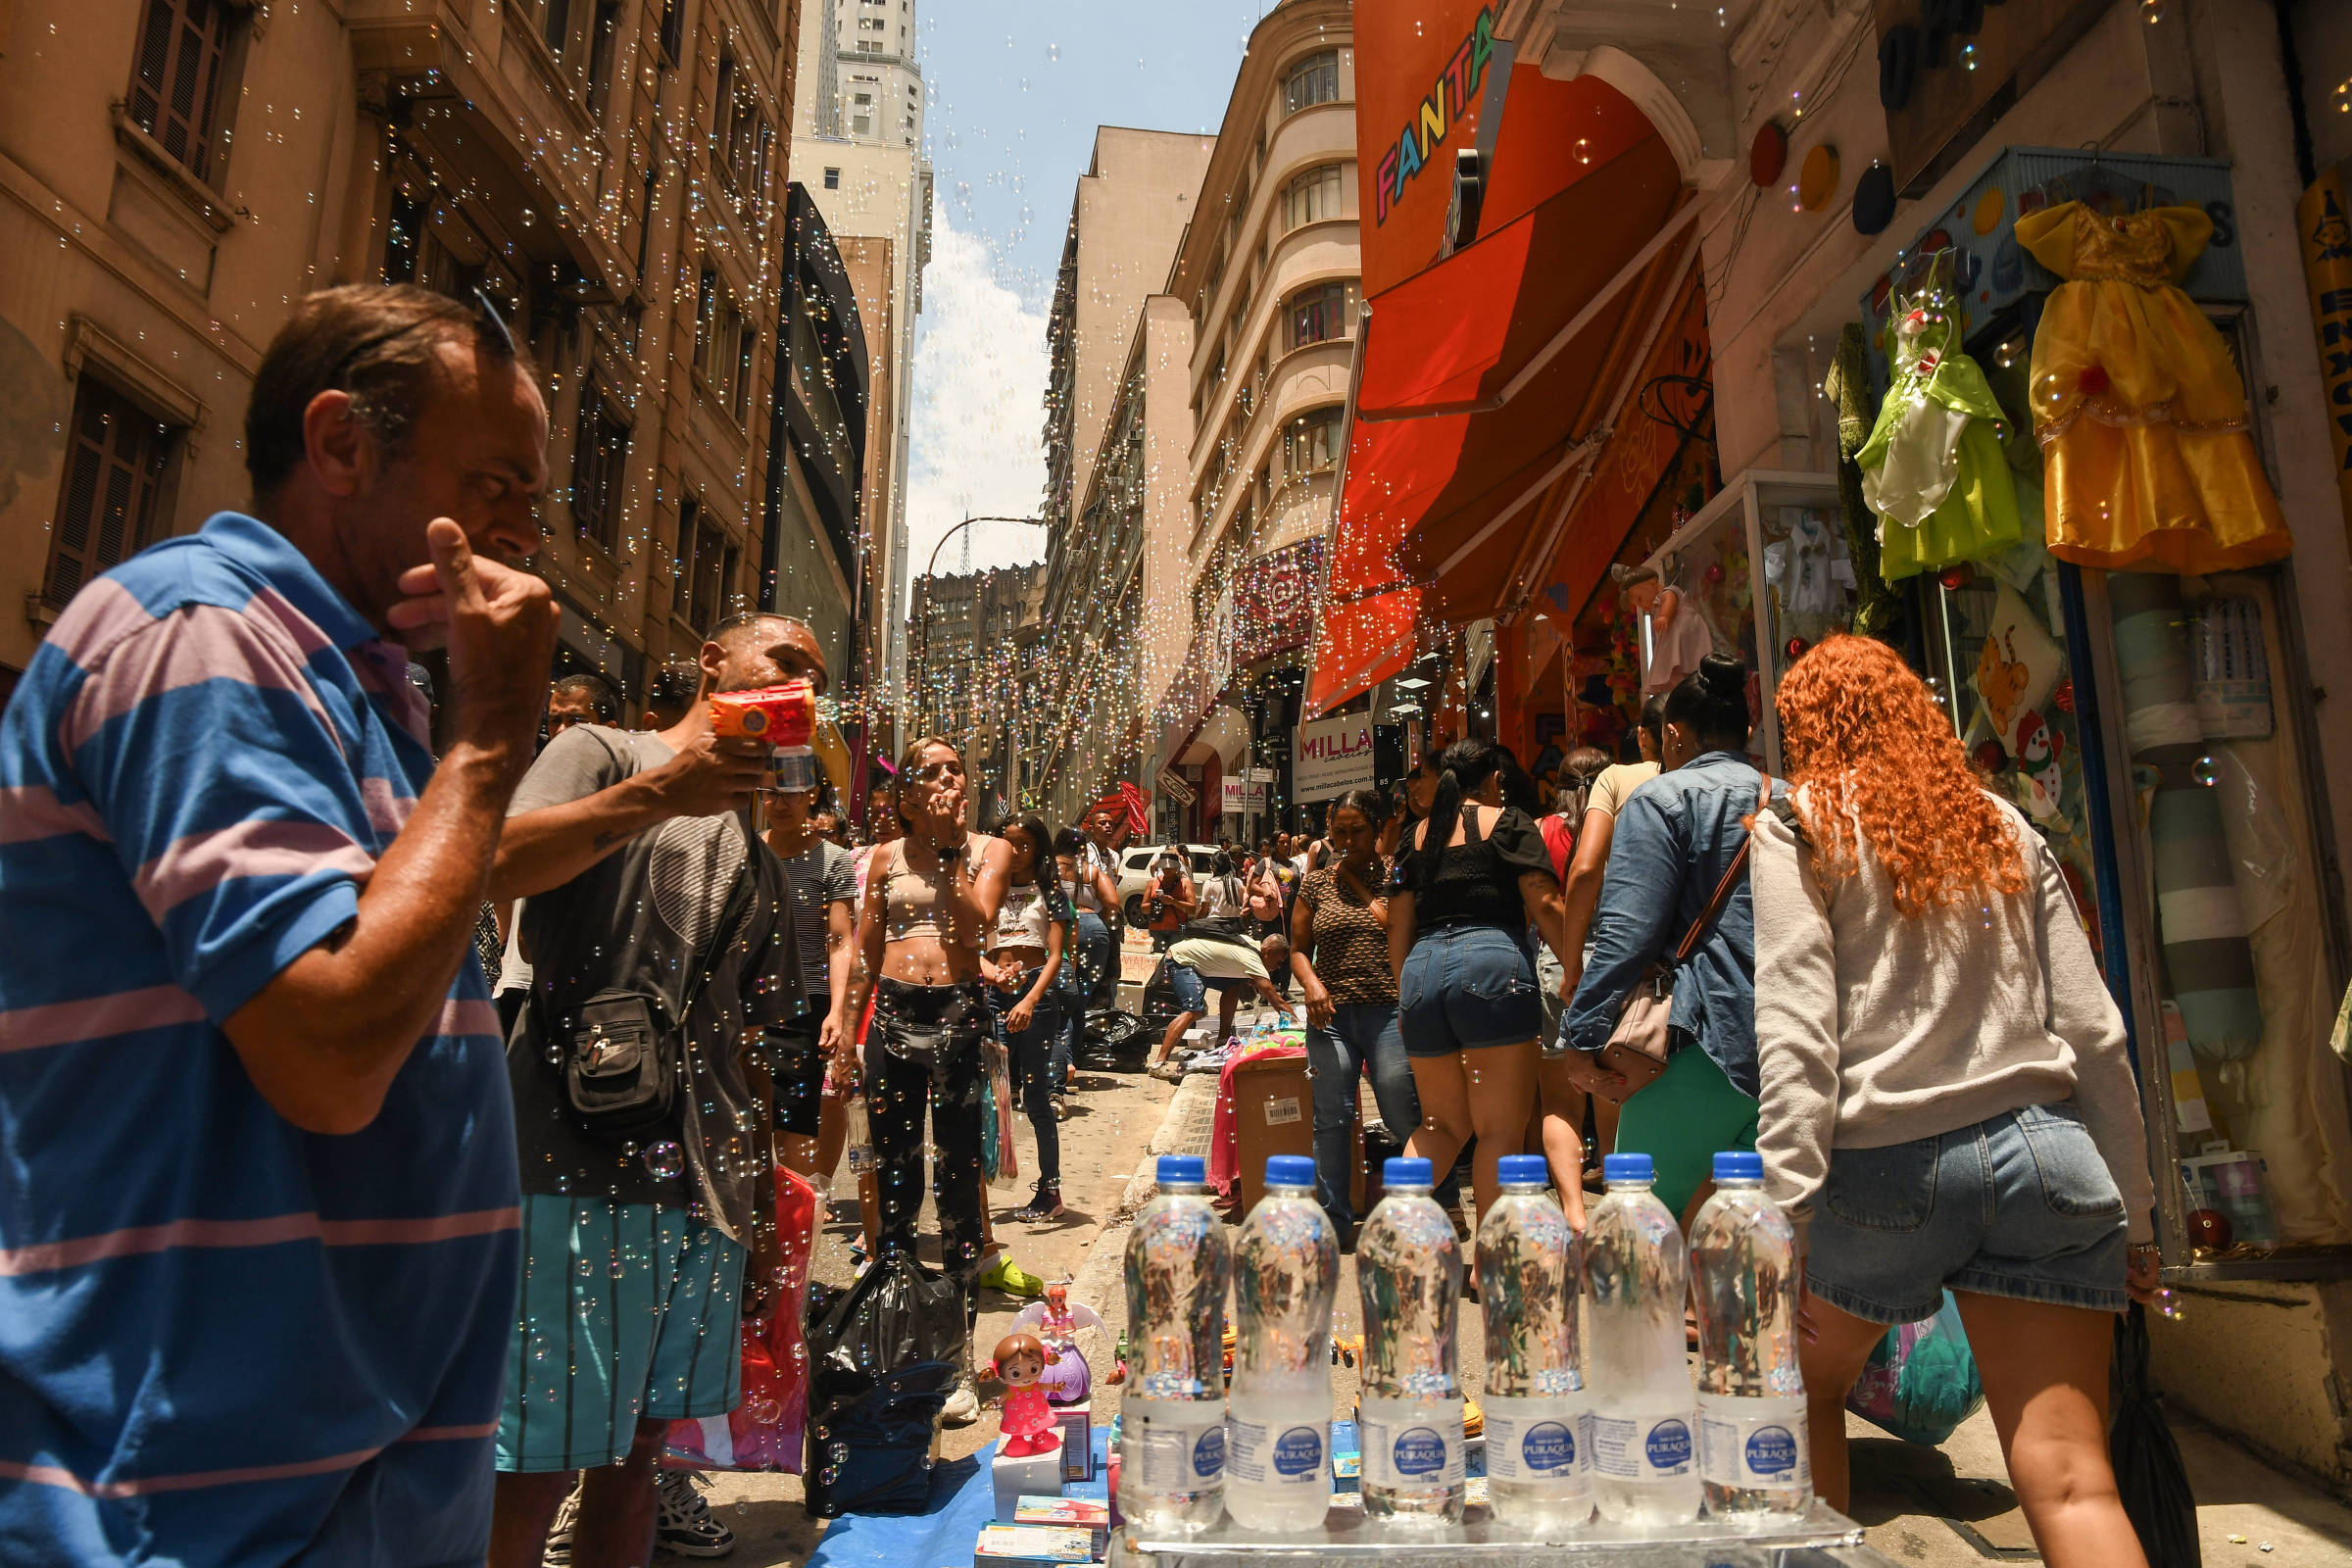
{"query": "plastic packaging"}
(1645, 1452)
(1409, 1270)
(882, 1357)
(1754, 1455)
(1530, 1276)
(1286, 1273)
(1172, 1421)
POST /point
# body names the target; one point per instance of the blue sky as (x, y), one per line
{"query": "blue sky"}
(1016, 90)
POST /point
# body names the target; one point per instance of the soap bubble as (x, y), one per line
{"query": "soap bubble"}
(665, 1160)
(2205, 770)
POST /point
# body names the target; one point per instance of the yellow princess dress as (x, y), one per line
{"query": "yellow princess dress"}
(2139, 409)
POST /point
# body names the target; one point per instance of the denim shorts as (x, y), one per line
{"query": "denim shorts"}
(1191, 987)
(1465, 988)
(2020, 1204)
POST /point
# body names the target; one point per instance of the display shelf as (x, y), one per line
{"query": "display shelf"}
(1818, 1538)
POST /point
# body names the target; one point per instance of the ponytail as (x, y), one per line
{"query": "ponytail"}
(1465, 766)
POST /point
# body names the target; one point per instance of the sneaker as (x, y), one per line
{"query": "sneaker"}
(558, 1535)
(1061, 1108)
(684, 1525)
(1167, 1072)
(1004, 1274)
(1043, 1207)
(962, 1407)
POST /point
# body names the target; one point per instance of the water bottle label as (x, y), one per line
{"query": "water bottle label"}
(1422, 1450)
(1177, 1447)
(1538, 1448)
(1278, 1457)
(1748, 1453)
(1641, 1448)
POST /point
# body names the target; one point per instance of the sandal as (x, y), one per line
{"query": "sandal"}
(1043, 1207)
(1004, 1274)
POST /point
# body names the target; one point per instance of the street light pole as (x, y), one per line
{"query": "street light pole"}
(923, 628)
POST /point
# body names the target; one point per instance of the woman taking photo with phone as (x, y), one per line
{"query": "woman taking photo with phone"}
(1023, 967)
(931, 900)
(1340, 955)
(1473, 877)
(1948, 1102)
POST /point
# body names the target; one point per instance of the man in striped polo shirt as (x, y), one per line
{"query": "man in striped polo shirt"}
(258, 1199)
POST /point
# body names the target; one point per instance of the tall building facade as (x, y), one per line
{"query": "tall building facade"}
(1269, 274)
(858, 147)
(972, 634)
(606, 171)
(1104, 457)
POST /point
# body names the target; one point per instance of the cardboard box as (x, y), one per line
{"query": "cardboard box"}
(1032, 1475)
(1077, 1439)
(1274, 1113)
(1067, 1513)
(1031, 1546)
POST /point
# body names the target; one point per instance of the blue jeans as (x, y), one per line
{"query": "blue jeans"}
(1031, 1055)
(1085, 961)
(1360, 1035)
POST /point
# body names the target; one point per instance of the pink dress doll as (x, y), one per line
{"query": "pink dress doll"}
(1027, 1426)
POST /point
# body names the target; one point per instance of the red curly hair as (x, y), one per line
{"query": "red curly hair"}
(1864, 739)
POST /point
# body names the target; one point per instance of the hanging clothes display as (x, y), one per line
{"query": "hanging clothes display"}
(1678, 638)
(1932, 468)
(2136, 403)
(1810, 569)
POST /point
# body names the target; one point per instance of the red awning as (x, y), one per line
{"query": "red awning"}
(1483, 377)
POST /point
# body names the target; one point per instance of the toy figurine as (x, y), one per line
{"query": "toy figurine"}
(1027, 1426)
(1055, 1322)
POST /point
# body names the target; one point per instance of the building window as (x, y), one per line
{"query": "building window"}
(832, 179)
(1310, 443)
(176, 76)
(1313, 197)
(861, 124)
(107, 500)
(673, 29)
(722, 342)
(1321, 314)
(702, 573)
(739, 138)
(599, 464)
(1313, 80)
(603, 38)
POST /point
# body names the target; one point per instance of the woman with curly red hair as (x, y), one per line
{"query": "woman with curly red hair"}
(1945, 1096)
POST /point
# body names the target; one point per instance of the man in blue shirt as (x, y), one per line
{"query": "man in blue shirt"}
(257, 1198)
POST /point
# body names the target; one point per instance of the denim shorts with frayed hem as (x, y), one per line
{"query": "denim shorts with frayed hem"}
(2020, 1205)
(1466, 987)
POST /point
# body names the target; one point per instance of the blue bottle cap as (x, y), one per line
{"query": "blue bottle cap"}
(1182, 1170)
(1403, 1172)
(1522, 1169)
(1625, 1168)
(1289, 1170)
(1739, 1165)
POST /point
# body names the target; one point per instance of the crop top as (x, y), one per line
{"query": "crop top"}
(911, 900)
(1476, 882)
(1023, 918)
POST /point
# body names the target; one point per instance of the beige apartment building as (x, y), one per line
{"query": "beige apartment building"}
(1103, 450)
(175, 173)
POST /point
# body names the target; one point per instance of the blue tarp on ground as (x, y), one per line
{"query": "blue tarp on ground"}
(962, 1501)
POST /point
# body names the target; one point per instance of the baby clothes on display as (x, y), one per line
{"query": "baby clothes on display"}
(1810, 570)
(1678, 638)
(1933, 468)
(2137, 405)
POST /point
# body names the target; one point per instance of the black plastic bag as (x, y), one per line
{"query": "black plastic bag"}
(872, 1454)
(2148, 1472)
(898, 1317)
(1115, 1042)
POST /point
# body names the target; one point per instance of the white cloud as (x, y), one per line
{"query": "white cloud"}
(975, 447)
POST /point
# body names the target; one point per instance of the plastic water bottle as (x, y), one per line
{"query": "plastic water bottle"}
(1644, 1410)
(1752, 1451)
(1172, 1422)
(1285, 1271)
(857, 1135)
(1408, 1266)
(1531, 1281)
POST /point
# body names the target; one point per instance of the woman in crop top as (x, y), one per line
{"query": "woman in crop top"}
(1473, 877)
(932, 896)
(1023, 967)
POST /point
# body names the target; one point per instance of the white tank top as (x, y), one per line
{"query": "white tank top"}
(1021, 919)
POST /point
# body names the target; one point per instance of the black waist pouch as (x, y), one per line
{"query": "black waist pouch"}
(620, 1066)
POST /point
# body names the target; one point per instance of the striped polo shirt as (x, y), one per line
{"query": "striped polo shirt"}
(224, 1339)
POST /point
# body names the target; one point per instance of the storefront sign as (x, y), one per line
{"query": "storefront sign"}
(1173, 786)
(1241, 798)
(2325, 222)
(1334, 755)
(1425, 129)
(1944, 63)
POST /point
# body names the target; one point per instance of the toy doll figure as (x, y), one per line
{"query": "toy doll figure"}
(1027, 1426)
(1055, 1322)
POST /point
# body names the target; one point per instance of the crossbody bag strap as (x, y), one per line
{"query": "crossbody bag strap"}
(1723, 889)
(739, 898)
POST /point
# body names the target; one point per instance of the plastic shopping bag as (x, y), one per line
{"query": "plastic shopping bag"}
(766, 1431)
(885, 1355)
(2148, 1472)
(1000, 1160)
(1921, 1382)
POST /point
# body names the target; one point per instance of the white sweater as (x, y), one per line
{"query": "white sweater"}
(1875, 1029)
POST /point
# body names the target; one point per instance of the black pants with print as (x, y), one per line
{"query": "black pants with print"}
(924, 1049)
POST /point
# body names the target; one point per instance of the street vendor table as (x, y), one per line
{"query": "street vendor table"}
(1820, 1538)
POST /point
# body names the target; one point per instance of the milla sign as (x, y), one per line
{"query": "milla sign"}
(1334, 755)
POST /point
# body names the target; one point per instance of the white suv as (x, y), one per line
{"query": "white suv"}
(1135, 872)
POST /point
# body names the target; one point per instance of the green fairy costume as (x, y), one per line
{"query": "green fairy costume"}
(1932, 468)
